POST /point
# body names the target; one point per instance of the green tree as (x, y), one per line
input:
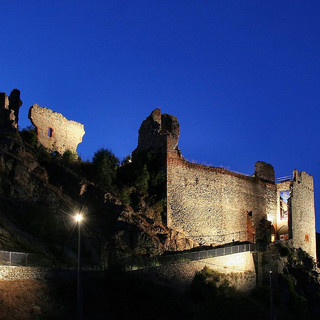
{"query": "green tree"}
(69, 156)
(29, 135)
(104, 167)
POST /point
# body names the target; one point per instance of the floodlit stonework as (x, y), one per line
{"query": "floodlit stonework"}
(239, 269)
(215, 206)
(302, 214)
(55, 132)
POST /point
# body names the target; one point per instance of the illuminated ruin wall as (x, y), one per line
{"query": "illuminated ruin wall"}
(302, 218)
(216, 206)
(211, 205)
(55, 132)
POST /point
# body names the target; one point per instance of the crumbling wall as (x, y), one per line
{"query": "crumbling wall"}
(55, 132)
(156, 130)
(9, 110)
(264, 171)
(302, 217)
(217, 206)
(211, 204)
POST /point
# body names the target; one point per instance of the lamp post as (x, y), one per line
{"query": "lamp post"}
(78, 218)
(271, 297)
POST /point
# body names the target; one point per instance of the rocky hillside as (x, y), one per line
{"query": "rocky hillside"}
(40, 191)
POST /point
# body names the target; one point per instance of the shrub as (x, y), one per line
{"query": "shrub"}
(29, 135)
(69, 156)
(104, 167)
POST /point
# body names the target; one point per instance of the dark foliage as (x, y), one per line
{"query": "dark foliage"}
(142, 180)
(104, 168)
(29, 135)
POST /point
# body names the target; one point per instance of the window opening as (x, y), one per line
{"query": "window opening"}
(50, 132)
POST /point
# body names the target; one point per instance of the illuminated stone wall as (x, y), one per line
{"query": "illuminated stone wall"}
(238, 269)
(214, 206)
(55, 132)
(17, 272)
(279, 222)
(211, 204)
(302, 220)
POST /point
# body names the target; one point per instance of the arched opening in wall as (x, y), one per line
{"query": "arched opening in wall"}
(284, 208)
(306, 237)
(50, 132)
(283, 233)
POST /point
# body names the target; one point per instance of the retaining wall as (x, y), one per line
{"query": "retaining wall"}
(238, 269)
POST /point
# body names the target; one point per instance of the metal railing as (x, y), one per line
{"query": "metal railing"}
(11, 258)
(135, 263)
(281, 179)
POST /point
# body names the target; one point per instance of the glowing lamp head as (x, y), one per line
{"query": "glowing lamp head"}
(78, 218)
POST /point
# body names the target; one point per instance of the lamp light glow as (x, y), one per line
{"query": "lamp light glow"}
(78, 217)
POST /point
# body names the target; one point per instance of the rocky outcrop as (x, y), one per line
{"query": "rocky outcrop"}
(137, 235)
(38, 194)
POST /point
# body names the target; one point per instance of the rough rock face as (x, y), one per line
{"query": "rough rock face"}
(138, 235)
(156, 130)
(38, 192)
(55, 132)
(44, 195)
(9, 110)
(295, 265)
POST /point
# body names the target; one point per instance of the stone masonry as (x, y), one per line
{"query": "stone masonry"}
(55, 132)
(239, 269)
(214, 206)
(211, 204)
(302, 227)
(156, 130)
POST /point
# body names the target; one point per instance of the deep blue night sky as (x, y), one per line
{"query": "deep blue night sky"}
(241, 76)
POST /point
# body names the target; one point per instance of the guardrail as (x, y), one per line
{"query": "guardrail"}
(281, 179)
(11, 258)
(134, 263)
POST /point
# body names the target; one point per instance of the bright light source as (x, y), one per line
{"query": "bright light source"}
(270, 217)
(78, 217)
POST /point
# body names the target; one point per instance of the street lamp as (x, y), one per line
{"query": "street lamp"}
(78, 219)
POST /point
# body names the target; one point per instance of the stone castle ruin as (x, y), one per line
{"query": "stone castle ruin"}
(215, 206)
(210, 205)
(54, 131)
